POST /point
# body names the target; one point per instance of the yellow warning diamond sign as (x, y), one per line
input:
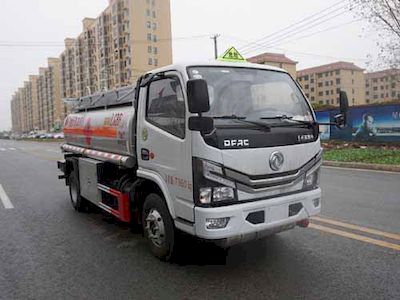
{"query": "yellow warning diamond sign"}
(232, 55)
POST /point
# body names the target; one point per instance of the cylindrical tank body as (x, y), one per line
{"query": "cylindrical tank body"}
(109, 130)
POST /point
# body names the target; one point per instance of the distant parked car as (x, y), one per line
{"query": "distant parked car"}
(59, 135)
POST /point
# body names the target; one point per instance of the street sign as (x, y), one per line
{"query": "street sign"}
(232, 55)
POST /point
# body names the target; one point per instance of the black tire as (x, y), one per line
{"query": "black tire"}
(161, 244)
(78, 203)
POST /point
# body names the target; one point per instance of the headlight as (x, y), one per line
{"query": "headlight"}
(211, 185)
(311, 180)
(217, 194)
(223, 194)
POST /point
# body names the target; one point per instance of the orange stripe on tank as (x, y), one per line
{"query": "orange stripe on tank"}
(110, 132)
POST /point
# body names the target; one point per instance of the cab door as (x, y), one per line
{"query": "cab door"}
(163, 140)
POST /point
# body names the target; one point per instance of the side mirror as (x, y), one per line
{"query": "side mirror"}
(341, 119)
(205, 125)
(198, 98)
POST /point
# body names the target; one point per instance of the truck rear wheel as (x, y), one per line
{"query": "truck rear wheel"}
(158, 227)
(77, 201)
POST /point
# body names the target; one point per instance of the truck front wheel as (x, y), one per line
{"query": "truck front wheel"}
(158, 227)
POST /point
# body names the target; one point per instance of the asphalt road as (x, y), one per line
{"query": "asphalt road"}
(49, 251)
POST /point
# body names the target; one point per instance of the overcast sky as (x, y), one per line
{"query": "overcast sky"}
(27, 22)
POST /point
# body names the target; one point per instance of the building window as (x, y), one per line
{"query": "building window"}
(149, 36)
(313, 98)
(337, 80)
(154, 14)
(320, 84)
(150, 62)
(154, 26)
(307, 87)
(149, 49)
(306, 77)
(312, 80)
(367, 93)
(375, 88)
(326, 75)
(148, 25)
(312, 90)
(320, 93)
(148, 12)
(326, 83)
(156, 62)
(155, 50)
(337, 72)
(326, 93)
(154, 38)
(320, 75)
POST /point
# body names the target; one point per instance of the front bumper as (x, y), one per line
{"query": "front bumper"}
(276, 212)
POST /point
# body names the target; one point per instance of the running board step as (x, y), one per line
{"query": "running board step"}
(123, 212)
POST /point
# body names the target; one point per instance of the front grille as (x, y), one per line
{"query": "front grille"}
(270, 182)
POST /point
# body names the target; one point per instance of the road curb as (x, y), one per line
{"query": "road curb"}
(355, 165)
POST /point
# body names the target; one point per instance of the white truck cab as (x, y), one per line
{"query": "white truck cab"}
(223, 151)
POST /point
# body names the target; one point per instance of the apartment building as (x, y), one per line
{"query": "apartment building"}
(16, 112)
(129, 38)
(382, 86)
(15, 115)
(276, 60)
(322, 84)
(48, 87)
(68, 86)
(34, 102)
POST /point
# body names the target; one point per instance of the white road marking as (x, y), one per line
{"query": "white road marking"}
(12, 149)
(4, 198)
(2, 149)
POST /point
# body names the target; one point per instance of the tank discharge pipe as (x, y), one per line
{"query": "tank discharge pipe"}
(125, 161)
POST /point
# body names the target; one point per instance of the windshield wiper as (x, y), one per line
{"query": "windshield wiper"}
(243, 120)
(285, 117)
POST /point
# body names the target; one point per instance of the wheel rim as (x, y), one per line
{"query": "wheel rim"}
(74, 194)
(155, 228)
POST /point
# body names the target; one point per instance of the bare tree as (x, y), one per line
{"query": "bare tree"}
(384, 15)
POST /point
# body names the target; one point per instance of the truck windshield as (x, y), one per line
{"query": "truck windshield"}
(252, 94)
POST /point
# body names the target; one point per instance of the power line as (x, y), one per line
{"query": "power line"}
(292, 33)
(290, 26)
(314, 33)
(55, 44)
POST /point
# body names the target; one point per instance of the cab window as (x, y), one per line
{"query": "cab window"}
(166, 106)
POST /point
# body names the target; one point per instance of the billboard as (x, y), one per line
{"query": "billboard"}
(380, 123)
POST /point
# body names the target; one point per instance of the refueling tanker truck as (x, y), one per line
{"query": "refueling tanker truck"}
(222, 151)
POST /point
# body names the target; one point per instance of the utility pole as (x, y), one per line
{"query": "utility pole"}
(215, 38)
